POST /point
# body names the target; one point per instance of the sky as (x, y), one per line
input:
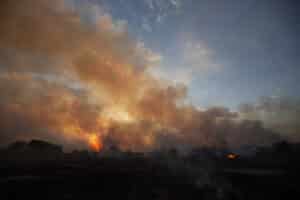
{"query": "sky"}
(227, 52)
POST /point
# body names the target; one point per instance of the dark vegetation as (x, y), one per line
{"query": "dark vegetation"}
(40, 170)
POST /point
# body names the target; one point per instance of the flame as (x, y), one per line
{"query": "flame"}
(95, 143)
(92, 139)
(232, 156)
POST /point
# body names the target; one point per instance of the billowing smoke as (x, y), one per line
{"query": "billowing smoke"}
(78, 83)
(281, 114)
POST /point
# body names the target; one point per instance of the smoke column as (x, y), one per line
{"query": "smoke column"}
(87, 85)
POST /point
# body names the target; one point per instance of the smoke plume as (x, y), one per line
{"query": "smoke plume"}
(84, 84)
(280, 114)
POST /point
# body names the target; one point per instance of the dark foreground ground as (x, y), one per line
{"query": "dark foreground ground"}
(140, 179)
(105, 179)
(147, 177)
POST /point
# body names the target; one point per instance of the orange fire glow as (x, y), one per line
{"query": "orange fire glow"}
(232, 156)
(95, 143)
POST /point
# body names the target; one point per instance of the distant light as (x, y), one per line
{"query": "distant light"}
(232, 156)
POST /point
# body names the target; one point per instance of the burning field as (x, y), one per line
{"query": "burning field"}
(39, 169)
(86, 82)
